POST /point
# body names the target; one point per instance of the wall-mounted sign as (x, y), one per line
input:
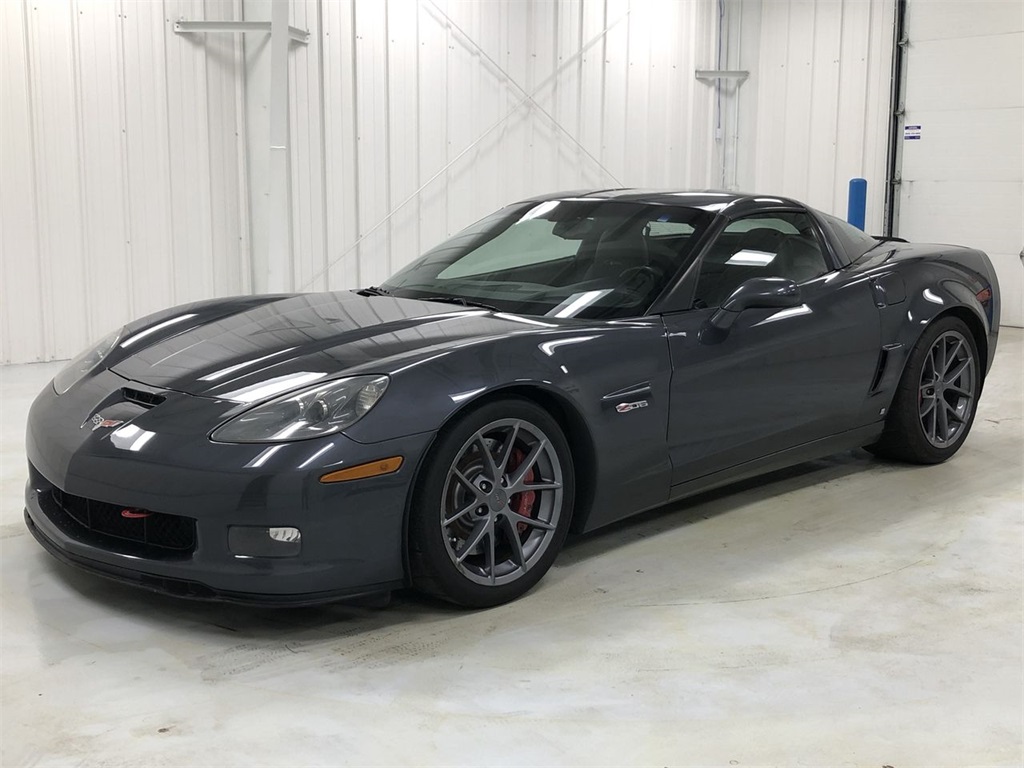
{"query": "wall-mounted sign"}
(912, 133)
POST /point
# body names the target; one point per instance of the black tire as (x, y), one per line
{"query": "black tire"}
(909, 434)
(457, 476)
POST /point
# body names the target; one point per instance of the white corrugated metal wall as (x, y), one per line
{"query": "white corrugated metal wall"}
(963, 179)
(122, 179)
(820, 75)
(412, 119)
(126, 147)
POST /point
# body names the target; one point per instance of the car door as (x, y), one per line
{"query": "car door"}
(778, 378)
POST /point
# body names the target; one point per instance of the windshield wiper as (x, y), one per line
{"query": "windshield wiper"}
(458, 300)
(374, 290)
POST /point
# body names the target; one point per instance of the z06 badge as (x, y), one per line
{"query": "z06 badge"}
(627, 407)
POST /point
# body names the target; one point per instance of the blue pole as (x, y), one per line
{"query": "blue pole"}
(858, 202)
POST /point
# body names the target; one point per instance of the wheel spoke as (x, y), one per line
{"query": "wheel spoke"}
(958, 390)
(482, 528)
(940, 358)
(943, 422)
(466, 482)
(512, 534)
(485, 452)
(927, 406)
(491, 564)
(524, 468)
(957, 372)
(952, 411)
(541, 486)
(506, 453)
(951, 358)
(461, 513)
(533, 522)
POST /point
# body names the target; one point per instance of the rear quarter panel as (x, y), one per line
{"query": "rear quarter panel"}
(933, 280)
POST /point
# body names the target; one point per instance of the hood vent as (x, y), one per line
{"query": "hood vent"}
(139, 397)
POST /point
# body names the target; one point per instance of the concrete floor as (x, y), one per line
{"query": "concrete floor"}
(845, 612)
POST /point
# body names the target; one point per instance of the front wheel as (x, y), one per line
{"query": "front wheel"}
(493, 505)
(934, 405)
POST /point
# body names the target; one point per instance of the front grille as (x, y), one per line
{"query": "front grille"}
(139, 397)
(142, 533)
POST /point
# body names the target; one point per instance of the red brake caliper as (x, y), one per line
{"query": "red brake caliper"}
(522, 503)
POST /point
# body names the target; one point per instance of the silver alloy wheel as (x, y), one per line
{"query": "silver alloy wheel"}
(502, 501)
(947, 389)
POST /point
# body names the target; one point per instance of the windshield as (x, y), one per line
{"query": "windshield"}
(561, 258)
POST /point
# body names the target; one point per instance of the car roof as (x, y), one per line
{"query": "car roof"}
(693, 198)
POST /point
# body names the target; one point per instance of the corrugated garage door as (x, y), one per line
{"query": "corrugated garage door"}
(963, 178)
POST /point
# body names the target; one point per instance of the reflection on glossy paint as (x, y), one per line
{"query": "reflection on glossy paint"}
(231, 369)
(933, 298)
(526, 320)
(782, 314)
(263, 455)
(271, 387)
(158, 327)
(316, 455)
(131, 438)
(466, 395)
(549, 347)
(539, 210)
(577, 303)
(751, 258)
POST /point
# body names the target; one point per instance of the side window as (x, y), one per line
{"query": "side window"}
(767, 245)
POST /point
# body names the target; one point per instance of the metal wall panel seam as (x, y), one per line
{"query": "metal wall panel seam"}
(126, 197)
(323, 141)
(839, 90)
(867, 90)
(355, 146)
(173, 250)
(83, 221)
(813, 101)
(211, 160)
(387, 132)
(43, 271)
(244, 255)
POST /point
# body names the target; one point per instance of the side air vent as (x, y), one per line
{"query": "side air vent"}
(145, 399)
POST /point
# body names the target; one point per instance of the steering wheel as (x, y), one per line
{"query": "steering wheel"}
(644, 273)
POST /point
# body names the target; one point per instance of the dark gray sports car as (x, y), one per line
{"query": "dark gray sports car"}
(564, 363)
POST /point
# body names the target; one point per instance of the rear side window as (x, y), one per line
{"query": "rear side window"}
(850, 239)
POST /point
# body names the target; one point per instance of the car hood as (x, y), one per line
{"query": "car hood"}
(252, 355)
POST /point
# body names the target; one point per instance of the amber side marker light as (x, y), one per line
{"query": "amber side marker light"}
(362, 471)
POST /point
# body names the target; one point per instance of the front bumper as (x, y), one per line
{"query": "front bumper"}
(352, 533)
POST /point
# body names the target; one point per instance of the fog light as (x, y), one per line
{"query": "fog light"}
(288, 535)
(255, 541)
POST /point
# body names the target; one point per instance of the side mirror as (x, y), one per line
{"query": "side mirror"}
(763, 293)
(755, 293)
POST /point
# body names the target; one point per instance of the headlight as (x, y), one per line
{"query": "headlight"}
(314, 412)
(78, 368)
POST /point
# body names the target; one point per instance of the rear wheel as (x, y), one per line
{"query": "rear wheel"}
(934, 406)
(493, 506)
